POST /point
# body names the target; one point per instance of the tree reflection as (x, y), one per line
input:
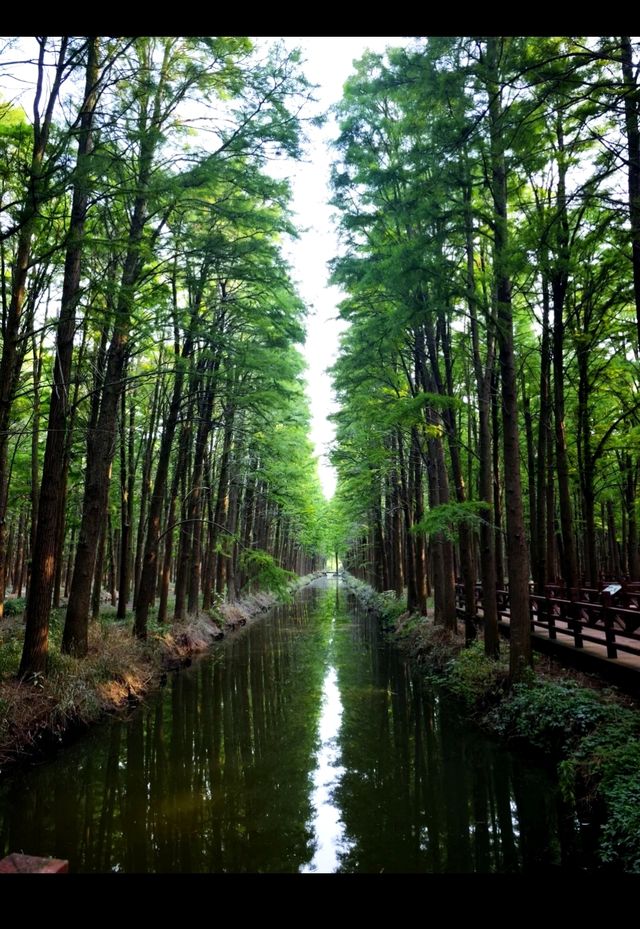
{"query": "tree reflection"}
(217, 774)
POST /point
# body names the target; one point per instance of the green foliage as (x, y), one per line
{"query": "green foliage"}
(550, 716)
(620, 835)
(15, 606)
(10, 652)
(266, 573)
(479, 681)
(446, 518)
(391, 608)
(605, 764)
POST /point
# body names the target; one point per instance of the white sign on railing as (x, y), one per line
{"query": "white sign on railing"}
(612, 589)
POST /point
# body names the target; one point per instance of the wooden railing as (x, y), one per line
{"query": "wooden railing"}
(584, 614)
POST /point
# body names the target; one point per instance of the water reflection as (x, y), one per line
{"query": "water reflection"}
(305, 744)
(327, 822)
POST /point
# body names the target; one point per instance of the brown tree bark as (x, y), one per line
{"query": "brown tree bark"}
(520, 655)
(496, 433)
(541, 566)
(485, 481)
(559, 283)
(222, 504)
(35, 437)
(168, 535)
(13, 345)
(127, 486)
(152, 114)
(56, 457)
(145, 487)
(633, 156)
(631, 483)
(409, 538)
(96, 595)
(396, 527)
(205, 424)
(445, 388)
(419, 546)
(74, 640)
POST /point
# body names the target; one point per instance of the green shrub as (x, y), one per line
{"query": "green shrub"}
(605, 765)
(15, 606)
(10, 654)
(264, 571)
(404, 627)
(549, 716)
(620, 835)
(476, 679)
(391, 609)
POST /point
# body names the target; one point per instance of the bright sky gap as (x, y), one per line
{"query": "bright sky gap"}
(327, 62)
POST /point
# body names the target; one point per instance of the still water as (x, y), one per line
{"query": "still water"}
(303, 744)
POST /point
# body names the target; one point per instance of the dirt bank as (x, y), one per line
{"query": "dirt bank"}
(117, 673)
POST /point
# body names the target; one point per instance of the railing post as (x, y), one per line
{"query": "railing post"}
(532, 627)
(575, 621)
(551, 619)
(609, 631)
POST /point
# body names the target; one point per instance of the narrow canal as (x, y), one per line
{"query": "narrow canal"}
(303, 744)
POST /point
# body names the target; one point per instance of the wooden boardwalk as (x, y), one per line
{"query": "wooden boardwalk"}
(594, 629)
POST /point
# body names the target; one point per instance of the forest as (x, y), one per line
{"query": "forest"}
(157, 471)
(153, 420)
(488, 191)
(154, 450)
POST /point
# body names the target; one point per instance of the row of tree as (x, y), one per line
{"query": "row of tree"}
(153, 423)
(489, 198)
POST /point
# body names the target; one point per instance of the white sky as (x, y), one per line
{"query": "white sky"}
(327, 63)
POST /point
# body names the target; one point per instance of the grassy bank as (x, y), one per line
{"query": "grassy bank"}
(587, 728)
(117, 672)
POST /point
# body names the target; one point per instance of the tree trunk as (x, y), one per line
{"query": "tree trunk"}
(35, 438)
(633, 156)
(396, 528)
(112, 559)
(145, 488)
(517, 553)
(419, 547)
(74, 638)
(127, 483)
(145, 592)
(531, 468)
(495, 470)
(96, 596)
(222, 500)
(50, 531)
(13, 345)
(409, 538)
(559, 283)
(485, 482)
(466, 562)
(234, 506)
(195, 511)
(541, 566)
(182, 560)
(616, 570)
(169, 534)
(632, 524)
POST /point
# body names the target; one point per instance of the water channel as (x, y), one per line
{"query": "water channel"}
(304, 744)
